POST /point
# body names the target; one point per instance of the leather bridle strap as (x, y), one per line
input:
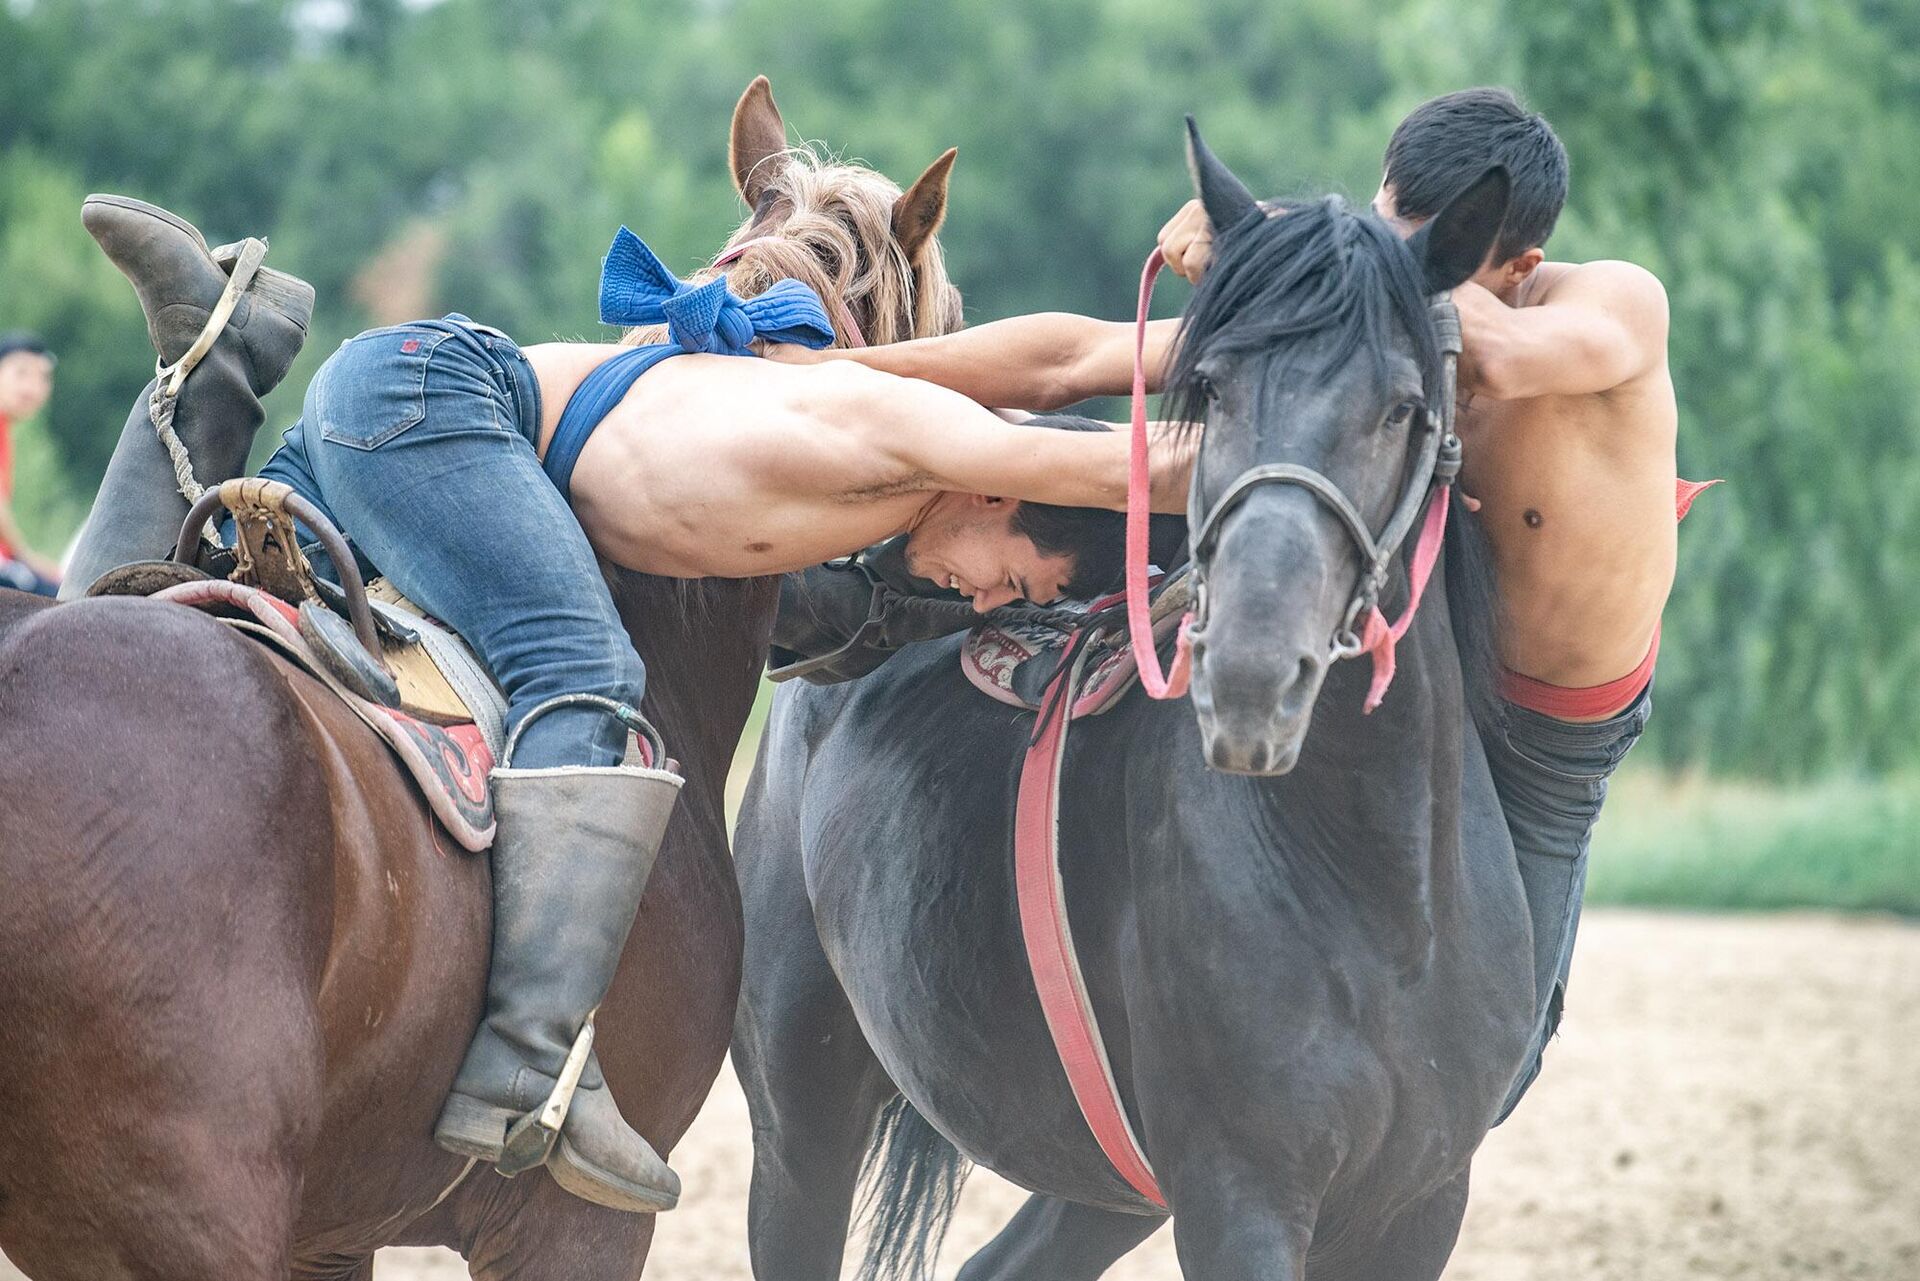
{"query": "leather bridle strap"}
(1307, 478)
(1428, 488)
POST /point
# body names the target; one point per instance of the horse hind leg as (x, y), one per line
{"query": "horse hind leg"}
(163, 1062)
(1054, 1240)
(152, 1212)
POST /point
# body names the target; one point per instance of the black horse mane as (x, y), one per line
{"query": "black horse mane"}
(1324, 267)
(1321, 267)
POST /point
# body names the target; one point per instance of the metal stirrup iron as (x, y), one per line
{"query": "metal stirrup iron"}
(170, 378)
(530, 1140)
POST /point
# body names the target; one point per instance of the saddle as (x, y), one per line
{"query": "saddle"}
(408, 677)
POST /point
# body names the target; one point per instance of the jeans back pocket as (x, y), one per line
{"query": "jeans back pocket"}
(375, 387)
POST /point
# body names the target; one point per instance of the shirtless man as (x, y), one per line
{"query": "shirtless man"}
(1568, 417)
(450, 456)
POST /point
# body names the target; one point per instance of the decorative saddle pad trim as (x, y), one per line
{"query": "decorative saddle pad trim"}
(449, 764)
(441, 679)
(1012, 662)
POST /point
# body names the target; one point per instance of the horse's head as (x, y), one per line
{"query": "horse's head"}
(862, 244)
(1310, 352)
(847, 231)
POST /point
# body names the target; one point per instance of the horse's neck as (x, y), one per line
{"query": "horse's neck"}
(705, 644)
(1375, 798)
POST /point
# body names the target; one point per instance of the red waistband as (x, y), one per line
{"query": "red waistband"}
(1591, 702)
(1596, 701)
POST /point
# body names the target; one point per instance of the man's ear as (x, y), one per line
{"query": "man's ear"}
(1520, 266)
(758, 139)
(1454, 243)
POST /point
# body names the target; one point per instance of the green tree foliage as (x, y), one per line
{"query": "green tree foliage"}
(1756, 154)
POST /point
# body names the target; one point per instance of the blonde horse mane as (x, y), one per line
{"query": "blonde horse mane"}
(831, 228)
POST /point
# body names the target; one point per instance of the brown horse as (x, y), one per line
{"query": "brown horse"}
(239, 963)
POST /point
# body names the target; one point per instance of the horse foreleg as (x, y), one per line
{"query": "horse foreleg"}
(1244, 1211)
(1415, 1246)
(1060, 1241)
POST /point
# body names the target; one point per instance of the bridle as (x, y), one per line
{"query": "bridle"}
(1363, 629)
(843, 321)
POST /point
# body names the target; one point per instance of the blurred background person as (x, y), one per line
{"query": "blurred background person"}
(26, 381)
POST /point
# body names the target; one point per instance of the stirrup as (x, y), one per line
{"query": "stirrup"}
(168, 379)
(530, 1141)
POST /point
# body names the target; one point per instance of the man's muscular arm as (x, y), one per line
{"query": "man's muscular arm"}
(1043, 361)
(1600, 325)
(943, 441)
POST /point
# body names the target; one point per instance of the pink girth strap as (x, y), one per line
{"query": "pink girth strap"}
(843, 321)
(1048, 935)
(1158, 682)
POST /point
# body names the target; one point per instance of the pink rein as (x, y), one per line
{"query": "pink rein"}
(1377, 636)
(843, 321)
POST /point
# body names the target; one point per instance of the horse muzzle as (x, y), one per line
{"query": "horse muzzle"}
(1254, 708)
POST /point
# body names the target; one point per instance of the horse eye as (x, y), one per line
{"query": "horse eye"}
(1402, 414)
(1204, 385)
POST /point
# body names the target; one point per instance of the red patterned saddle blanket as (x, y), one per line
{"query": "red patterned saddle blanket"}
(1017, 662)
(450, 764)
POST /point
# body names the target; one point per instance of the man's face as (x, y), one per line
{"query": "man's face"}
(967, 543)
(1500, 278)
(26, 380)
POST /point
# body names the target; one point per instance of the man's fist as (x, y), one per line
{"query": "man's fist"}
(1186, 242)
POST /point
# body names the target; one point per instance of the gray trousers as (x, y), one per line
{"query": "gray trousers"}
(1552, 778)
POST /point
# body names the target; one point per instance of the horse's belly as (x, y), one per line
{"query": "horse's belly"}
(912, 889)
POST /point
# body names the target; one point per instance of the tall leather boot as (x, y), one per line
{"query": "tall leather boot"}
(138, 512)
(571, 856)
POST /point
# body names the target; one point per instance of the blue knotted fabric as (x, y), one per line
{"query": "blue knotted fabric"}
(637, 289)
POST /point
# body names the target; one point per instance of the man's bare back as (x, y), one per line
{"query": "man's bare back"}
(719, 465)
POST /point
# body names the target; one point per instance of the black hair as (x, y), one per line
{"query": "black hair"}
(21, 341)
(1095, 538)
(1445, 144)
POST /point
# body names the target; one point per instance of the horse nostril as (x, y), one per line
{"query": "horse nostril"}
(1298, 692)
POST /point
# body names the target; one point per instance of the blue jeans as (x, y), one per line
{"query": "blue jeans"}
(1552, 779)
(418, 442)
(15, 574)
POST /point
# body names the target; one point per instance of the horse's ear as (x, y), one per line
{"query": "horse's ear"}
(1225, 197)
(918, 212)
(759, 137)
(1455, 242)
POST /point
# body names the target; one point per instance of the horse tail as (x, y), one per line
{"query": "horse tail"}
(911, 1185)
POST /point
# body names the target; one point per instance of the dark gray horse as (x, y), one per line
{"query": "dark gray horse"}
(1315, 985)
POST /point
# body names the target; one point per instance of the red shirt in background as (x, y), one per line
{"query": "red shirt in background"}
(6, 473)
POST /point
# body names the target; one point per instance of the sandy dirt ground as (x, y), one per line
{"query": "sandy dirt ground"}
(1733, 1097)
